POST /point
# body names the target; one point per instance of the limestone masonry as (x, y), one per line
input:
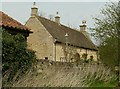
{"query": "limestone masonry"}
(56, 42)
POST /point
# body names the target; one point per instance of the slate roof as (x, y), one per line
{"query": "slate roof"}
(7, 21)
(58, 32)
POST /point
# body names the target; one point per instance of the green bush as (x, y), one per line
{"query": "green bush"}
(84, 56)
(15, 57)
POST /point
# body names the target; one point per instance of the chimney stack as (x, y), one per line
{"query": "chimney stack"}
(34, 10)
(57, 18)
(83, 26)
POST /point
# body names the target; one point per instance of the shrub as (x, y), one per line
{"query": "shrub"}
(84, 56)
(99, 76)
(15, 57)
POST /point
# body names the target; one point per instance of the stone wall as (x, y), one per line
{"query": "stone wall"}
(43, 44)
(62, 74)
(40, 40)
(72, 50)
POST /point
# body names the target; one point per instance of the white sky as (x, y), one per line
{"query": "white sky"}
(72, 12)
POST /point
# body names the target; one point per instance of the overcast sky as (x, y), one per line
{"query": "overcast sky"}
(71, 13)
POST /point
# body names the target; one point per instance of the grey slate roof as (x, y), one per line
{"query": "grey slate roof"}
(58, 32)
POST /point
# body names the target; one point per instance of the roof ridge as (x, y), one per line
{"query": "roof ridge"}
(58, 31)
(7, 20)
(59, 24)
(12, 18)
(89, 39)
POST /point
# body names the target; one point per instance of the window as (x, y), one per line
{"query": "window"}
(46, 58)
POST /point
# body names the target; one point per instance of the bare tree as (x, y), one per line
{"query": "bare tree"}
(42, 14)
(69, 52)
(51, 17)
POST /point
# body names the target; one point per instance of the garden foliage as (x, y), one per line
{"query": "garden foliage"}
(16, 59)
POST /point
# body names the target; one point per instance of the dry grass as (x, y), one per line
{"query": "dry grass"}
(64, 75)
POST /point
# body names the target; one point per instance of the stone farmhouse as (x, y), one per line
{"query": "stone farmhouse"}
(53, 41)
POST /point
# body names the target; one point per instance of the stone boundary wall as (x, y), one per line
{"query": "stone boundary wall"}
(47, 73)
